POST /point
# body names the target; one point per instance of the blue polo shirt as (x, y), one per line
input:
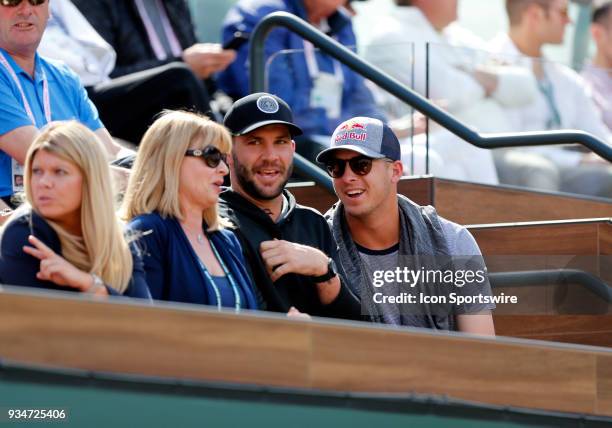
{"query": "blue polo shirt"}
(68, 100)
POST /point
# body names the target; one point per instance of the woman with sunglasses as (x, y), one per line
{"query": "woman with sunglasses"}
(171, 200)
(67, 236)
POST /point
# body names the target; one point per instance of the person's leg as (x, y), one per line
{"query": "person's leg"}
(588, 179)
(521, 168)
(129, 104)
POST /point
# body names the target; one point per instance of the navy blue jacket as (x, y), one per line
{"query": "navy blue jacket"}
(172, 266)
(19, 268)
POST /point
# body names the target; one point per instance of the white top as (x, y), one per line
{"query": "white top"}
(69, 37)
(572, 98)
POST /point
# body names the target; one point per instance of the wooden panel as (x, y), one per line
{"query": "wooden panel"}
(185, 341)
(418, 189)
(464, 368)
(311, 195)
(595, 330)
(152, 341)
(553, 239)
(605, 252)
(605, 239)
(467, 203)
(604, 385)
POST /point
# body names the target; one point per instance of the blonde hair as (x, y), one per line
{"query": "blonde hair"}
(102, 250)
(154, 182)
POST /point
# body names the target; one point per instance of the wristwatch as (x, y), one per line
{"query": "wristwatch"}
(331, 272)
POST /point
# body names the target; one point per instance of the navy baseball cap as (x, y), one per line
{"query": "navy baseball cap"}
(257, 110)
(364, 135)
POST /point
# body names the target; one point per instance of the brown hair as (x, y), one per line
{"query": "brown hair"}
(601, 11)
(516, 8)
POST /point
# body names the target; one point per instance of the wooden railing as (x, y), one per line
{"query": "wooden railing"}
(470, 203)
(188, 342)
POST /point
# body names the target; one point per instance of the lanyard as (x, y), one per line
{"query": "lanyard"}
(546, 88)
(26, 104)
(227, 273)
(313, 67)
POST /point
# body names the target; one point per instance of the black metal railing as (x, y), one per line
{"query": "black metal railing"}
(553, 277)
(346, 56)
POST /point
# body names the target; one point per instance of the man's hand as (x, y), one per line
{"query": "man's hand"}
(487, 80)
(593, 159)
(283, 257)
(294, 313)
(205, 59)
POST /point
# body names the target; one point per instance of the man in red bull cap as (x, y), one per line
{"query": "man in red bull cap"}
(398, 256)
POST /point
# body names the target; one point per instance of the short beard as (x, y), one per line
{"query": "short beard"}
(247, 184)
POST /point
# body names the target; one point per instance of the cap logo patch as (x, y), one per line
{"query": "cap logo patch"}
(351, 130)
(267, 104)
(354, 136)
(351, 125)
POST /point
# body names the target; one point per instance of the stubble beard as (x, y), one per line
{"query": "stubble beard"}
(248, 185)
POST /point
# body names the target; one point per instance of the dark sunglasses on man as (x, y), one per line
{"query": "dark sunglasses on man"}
(211, 155)
(360, 165)
(14, 3)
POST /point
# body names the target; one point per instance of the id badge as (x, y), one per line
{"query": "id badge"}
(17, 176)
(327, 94)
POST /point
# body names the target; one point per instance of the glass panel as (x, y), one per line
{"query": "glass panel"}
(496, 93)
(288, 75)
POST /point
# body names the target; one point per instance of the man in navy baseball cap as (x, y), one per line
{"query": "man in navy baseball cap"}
(376, 229)
(257, 110)
(289, 247)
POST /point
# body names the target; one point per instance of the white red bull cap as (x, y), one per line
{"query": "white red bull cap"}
(367, 136)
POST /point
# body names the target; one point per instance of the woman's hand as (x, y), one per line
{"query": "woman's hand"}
(55, 268)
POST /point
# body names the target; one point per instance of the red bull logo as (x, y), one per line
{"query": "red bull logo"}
(350, 136)
(351, 125)
(347, 132)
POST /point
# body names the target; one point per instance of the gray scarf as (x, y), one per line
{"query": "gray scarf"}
(421, 238)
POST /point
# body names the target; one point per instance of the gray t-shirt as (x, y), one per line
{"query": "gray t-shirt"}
(460, 243)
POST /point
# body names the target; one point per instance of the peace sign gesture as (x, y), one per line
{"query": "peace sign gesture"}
(55, 268)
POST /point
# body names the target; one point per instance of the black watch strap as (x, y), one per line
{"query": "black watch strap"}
(331, 272)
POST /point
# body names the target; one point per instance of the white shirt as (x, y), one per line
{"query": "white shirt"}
(398, 47)
(69, 37)
(572, 98)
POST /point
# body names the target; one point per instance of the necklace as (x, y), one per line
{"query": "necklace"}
(199, 235)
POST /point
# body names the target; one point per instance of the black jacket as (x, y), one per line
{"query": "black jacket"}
(119, 23)
(302, 225)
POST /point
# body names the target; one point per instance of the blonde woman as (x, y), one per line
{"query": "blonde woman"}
(67, 236)
(171, 200)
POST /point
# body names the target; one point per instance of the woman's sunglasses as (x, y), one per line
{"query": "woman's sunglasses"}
(360, 165)
(210, 155)
(14, 3)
